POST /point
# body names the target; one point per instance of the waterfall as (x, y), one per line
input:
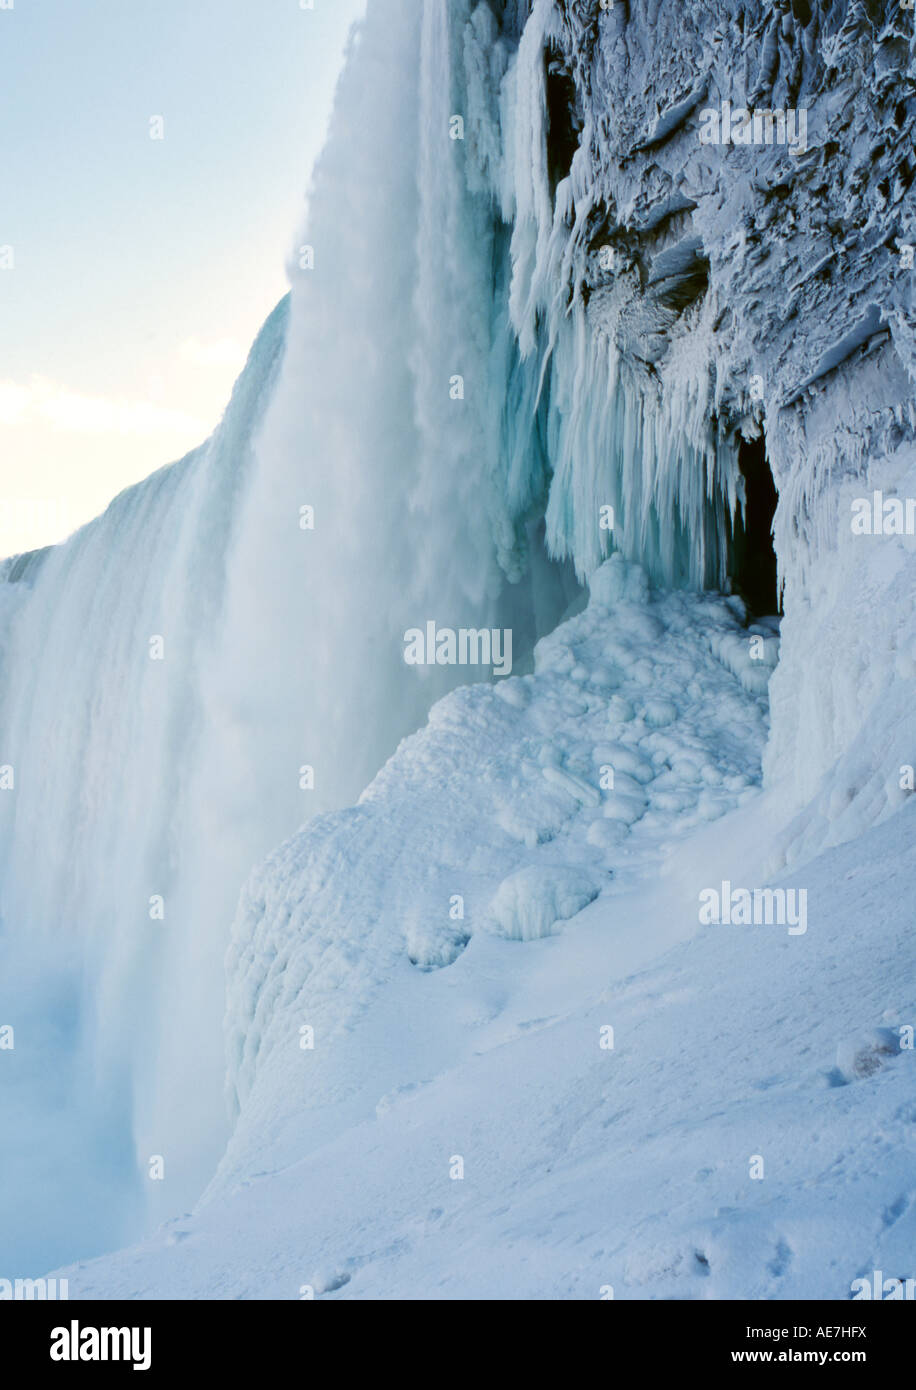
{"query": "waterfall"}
(171, 672)
(100, 721)
(427, 431)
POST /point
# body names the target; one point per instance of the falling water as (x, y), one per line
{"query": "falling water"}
(170, 672)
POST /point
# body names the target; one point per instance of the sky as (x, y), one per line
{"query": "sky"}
(135, 271)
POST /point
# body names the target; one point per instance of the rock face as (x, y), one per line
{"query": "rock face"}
(703, 294)
(785, 268)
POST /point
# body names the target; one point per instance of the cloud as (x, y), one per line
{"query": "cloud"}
(46, 402)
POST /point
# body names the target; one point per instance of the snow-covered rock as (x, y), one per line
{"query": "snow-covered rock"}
(529, 903)
(860, 1056)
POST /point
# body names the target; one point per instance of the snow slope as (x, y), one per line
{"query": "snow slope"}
(437, 1040)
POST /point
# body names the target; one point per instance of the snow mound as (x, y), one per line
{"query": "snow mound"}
(862, 1055)
(529, 903)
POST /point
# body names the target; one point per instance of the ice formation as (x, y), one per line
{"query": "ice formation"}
(536, 329)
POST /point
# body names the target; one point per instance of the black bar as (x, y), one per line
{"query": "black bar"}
(304, 1339)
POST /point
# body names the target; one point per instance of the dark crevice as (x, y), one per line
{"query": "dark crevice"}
(563, 124)
(753, 564)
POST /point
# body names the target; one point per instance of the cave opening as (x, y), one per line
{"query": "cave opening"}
(753, 566)
(564, 125)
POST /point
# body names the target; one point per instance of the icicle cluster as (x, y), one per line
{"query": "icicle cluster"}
(635, 461)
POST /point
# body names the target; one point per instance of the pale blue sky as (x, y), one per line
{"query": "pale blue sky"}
(142, 268)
